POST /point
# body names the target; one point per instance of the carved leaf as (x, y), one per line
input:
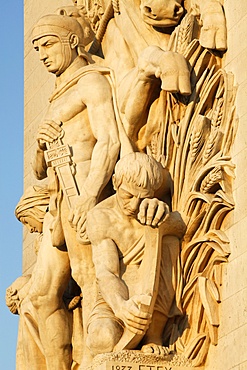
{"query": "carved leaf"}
(210, 305)
(213, 290)
(192, 348)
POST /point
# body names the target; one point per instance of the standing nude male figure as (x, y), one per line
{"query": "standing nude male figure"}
(81, 111)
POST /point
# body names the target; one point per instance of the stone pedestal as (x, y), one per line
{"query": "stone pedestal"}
(136, 360)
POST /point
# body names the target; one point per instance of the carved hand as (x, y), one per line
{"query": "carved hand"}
(170, 67)
(78, 215)
(48, 132)
(136, 320)
(213, 32)
(152, 211)
(12, 300)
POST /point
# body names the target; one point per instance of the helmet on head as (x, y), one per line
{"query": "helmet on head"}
(62, 27)
(58, 25)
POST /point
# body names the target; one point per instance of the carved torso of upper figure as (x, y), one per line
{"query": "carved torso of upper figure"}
(68, 108)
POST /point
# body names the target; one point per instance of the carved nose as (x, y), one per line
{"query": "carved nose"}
(42, 54)
(134, 203)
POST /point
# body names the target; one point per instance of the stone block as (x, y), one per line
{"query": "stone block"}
(29, 259)
(236, 40)
(35, 10)
(233, 319)
(237, 66)
(237, 237)
(34, 82)
(241, 137)
(243, 366)
(240, 198)
(239, 161)
(230, 351)
(235, 11)
(233, 277)
(241, 99)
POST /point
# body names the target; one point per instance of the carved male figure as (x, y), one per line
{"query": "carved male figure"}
(118, 243)
(30, 210)
(81, 111)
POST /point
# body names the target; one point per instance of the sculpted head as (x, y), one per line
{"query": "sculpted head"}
(32, 207)
(58, 39)
(162, 13)
(137, 176)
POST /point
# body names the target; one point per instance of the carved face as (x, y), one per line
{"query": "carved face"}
(34, 226)
(129, 197)
(162, 13)
(53, 54)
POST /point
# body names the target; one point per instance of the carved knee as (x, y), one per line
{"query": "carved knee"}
(103, 335)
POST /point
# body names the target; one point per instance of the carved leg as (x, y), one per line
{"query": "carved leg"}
(83, 272)
(48, 318)
(33, 356)
(153, 339)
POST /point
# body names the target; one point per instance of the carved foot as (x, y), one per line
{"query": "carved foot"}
(155, 349)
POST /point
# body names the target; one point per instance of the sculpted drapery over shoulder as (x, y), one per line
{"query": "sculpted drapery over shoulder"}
(141, 78)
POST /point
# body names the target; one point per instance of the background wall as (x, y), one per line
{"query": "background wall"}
(231, 351)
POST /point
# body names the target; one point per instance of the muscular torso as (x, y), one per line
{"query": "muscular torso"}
(113, 224)
(72, 112)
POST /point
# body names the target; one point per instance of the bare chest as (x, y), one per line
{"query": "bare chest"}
(69, 109)
(127, 234)
(66, 106)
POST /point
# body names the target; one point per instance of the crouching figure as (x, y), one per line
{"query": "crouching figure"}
(135, 246)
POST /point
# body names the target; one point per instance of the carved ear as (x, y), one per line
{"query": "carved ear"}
(74, 41)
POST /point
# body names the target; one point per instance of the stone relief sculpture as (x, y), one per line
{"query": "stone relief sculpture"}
(30, 210)
(58, 40)
(191, 131)
(140, 82)
(126, 299)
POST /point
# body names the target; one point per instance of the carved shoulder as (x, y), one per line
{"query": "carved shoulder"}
(99, 221)
(94, 88)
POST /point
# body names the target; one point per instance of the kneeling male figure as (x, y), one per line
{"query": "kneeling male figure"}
(116, 230)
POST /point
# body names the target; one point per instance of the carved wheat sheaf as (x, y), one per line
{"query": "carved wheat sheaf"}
(202, 171)
(212, 179)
